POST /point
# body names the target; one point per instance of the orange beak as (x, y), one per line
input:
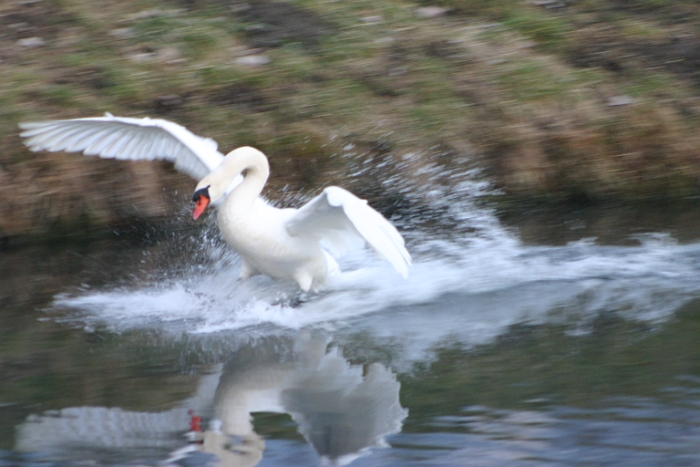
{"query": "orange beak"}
(201, 198)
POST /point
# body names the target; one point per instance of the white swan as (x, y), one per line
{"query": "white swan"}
(296, 244)
(343, 410)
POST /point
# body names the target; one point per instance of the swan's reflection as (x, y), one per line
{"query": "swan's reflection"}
(342, 410)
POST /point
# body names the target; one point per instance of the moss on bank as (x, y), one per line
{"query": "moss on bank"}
(588, 100)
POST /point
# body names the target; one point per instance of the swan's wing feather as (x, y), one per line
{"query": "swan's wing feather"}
(128, 139)
(337, 217)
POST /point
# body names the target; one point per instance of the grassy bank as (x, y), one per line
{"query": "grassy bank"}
(587, 100)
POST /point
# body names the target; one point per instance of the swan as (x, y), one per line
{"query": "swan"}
(342, 409)
(285, 244)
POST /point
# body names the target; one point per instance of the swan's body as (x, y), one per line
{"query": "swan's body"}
(342, 409)
(296, 244)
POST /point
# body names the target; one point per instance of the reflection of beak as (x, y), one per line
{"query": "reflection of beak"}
(201, 197)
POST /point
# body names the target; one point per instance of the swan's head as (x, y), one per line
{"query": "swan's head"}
(206, 194)
(216, 186)
(202, 198)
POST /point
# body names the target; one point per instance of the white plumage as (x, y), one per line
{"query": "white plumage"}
(124, 138)
(296, 244)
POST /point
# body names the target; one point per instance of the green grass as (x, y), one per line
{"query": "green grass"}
(458, 80)
(548, 31)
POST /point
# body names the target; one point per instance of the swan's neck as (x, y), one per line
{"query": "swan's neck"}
(246, 160)
(236, 417)
(252, 185)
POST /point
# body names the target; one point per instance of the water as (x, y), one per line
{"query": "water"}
(537, 338)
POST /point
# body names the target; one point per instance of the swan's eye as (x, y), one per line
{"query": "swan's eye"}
(201, 192)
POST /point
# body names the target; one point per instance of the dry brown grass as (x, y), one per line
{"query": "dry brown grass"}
(528, 98)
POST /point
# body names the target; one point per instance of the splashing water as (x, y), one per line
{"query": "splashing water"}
(471, 278)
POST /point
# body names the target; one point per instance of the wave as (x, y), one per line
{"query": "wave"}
(471, 278)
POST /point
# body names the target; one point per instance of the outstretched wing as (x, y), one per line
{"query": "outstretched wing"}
(338, 219)
(126, 138)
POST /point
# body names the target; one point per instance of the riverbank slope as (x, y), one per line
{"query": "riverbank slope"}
(556, 101)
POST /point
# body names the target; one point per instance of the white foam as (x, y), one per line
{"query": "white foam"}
(472, 280)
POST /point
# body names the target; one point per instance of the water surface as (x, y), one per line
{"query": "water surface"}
(540, 338)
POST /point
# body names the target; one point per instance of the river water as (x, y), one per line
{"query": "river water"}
(519, 339)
